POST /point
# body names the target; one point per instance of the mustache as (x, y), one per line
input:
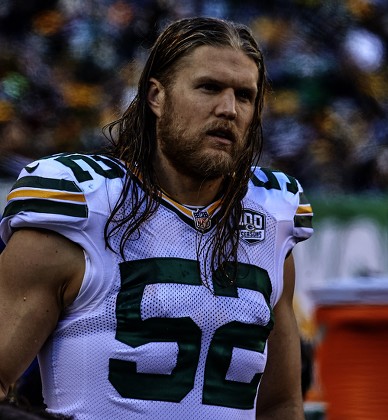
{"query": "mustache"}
(222, 129)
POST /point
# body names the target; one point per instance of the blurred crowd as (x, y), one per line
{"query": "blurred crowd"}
(67, 67)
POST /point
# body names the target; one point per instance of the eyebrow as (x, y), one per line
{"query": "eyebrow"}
(210, 79)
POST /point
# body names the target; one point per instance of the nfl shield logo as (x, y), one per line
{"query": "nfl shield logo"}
(201, 219)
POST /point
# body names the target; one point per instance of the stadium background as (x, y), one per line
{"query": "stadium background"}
(67, 67)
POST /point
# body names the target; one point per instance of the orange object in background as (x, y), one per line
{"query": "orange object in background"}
(352, 361)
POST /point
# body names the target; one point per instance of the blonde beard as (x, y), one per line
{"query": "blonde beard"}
(187, 154)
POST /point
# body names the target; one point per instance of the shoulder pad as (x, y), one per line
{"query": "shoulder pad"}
(52, 191)
(284, 194)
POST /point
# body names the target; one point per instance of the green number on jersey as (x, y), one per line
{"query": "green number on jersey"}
(273, 183)
(133, 331)
(71, 161)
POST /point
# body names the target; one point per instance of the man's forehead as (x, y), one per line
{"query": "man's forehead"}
(216, 51)
(220, 61)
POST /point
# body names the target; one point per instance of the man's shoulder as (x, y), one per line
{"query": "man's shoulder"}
(273, 181)
(60, 192)
(79, 167)
(281, 195)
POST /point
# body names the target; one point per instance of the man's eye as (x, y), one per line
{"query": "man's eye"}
(210, 87)
(245, 95)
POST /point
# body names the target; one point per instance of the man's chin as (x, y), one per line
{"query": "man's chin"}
(213, 167)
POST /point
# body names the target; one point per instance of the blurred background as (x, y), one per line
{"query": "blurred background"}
(67, 67)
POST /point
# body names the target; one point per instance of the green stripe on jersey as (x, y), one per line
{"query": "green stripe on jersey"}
(303, 221)
(46, 183)
(46, 206)
(303, 199)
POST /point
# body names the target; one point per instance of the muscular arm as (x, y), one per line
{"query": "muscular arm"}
(40, 274)
(280, 394)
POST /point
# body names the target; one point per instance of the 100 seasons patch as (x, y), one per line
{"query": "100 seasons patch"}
(252, 227)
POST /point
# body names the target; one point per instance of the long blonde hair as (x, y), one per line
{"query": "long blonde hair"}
(133, 137)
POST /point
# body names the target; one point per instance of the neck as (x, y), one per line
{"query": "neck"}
(186, 189)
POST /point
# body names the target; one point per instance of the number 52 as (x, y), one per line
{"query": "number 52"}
(134, 331)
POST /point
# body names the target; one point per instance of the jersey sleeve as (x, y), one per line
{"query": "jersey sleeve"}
(66, 193)
(47, 196)
(284, 197)
(303, 217)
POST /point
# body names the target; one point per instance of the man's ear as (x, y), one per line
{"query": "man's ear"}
(155, 96)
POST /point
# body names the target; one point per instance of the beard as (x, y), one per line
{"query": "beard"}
(189, 152)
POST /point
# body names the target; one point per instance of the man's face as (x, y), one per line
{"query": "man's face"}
(207, 111)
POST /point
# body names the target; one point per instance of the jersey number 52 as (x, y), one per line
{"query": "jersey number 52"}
(132, 330)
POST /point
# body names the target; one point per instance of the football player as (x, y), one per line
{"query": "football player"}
(155, 280)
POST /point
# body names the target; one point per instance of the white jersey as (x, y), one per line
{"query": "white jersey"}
(145, 338)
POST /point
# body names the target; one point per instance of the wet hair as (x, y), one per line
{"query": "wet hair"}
(133, 136)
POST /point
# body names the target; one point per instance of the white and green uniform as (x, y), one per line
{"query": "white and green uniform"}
(145, 339)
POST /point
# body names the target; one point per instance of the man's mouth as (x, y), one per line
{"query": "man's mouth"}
(222, 134)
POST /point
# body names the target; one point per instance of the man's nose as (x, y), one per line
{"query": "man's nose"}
(226, 106)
